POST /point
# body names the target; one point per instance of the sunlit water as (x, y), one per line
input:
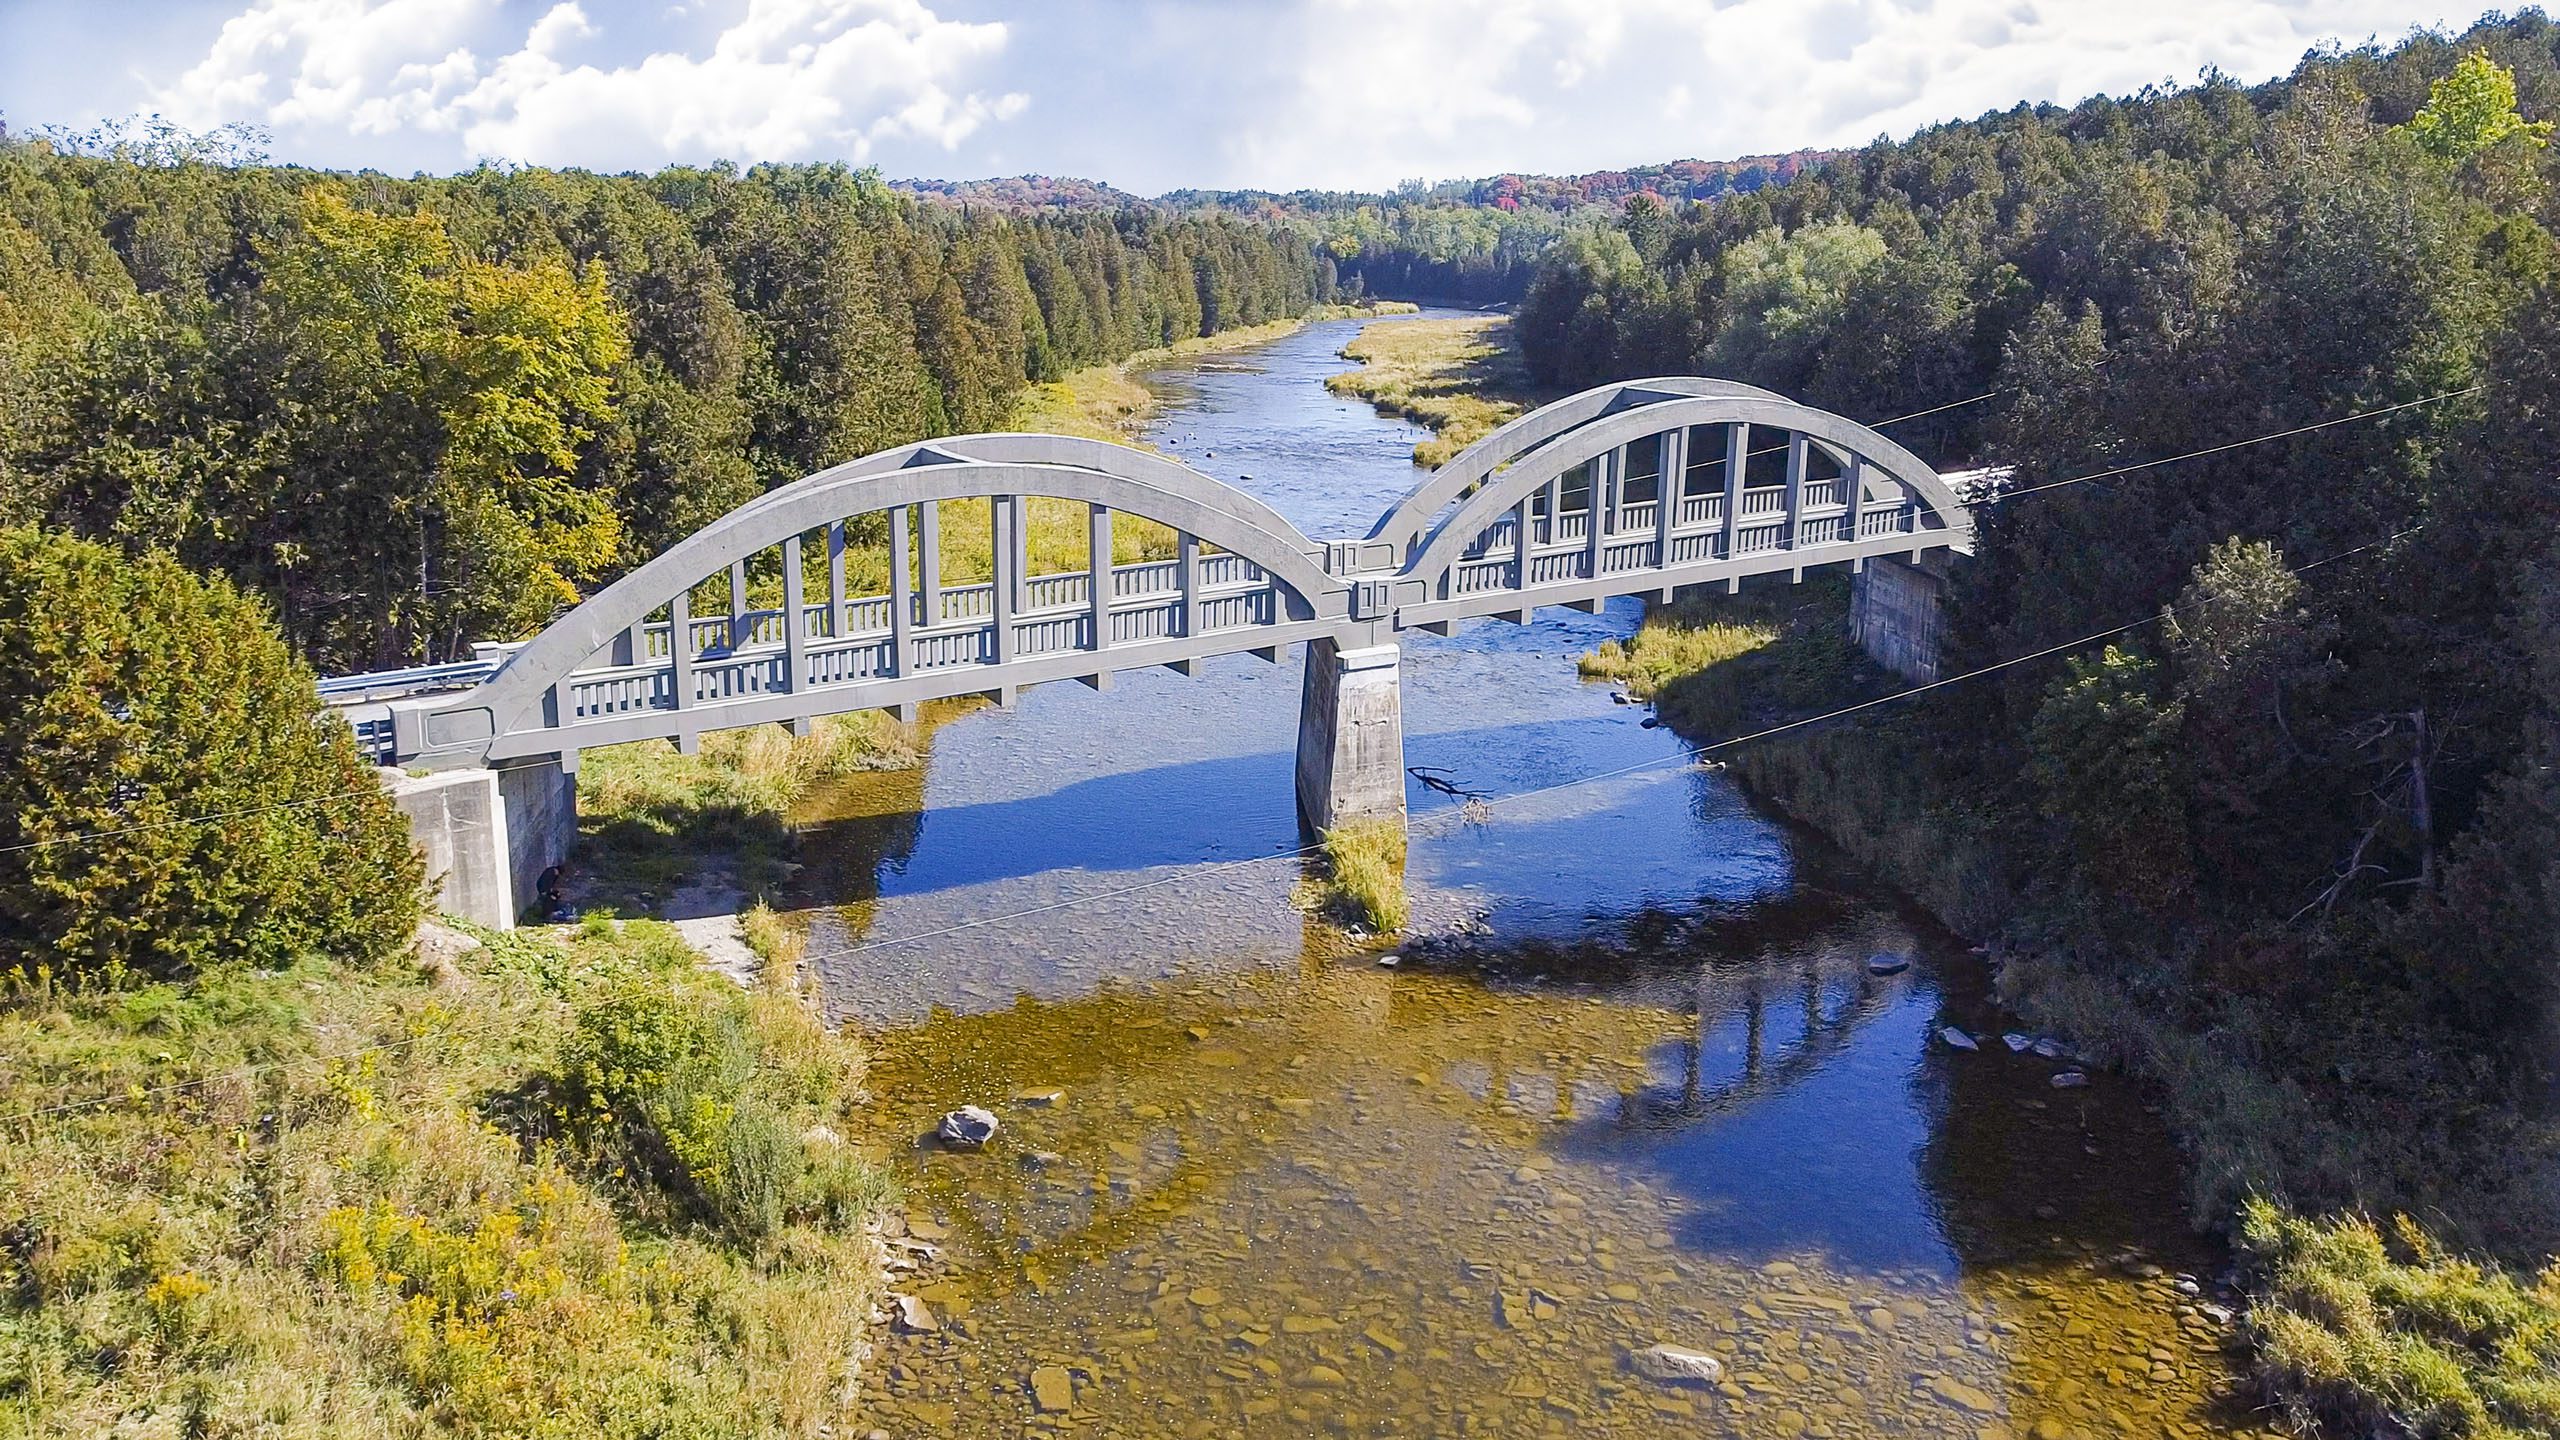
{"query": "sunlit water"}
(1250, 1181)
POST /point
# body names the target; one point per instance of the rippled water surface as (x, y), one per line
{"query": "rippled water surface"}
(1251, 1181)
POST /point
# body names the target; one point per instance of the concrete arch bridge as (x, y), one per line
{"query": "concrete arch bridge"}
(1634, 488)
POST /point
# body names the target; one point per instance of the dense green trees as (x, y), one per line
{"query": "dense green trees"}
(2305, 821)
(416, 413)
(170, 796)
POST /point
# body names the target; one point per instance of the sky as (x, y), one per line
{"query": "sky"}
(1148, 95)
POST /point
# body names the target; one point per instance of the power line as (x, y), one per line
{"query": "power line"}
(205, 819)
(1687, 756)
(2234, 445)
(1970, 504)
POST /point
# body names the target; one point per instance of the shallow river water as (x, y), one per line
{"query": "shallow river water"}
(1251, 1181)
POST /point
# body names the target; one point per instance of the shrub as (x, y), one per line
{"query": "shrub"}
(171, 793)
(2396, 1335)
(717, 1098)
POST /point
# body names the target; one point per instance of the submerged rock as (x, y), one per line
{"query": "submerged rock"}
(2069, 1080)
(914, 1316)
(1676, 1365)
(1888, 964)
(1052, 1389)
(969, 1126)
(2050, 1048)
(1958, 1038)
(1963, 1396)
(2017, 1042)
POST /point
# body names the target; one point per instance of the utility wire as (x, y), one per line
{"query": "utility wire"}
(2234, 445)
(1970, 504)
(1687, 756)
(205, 819)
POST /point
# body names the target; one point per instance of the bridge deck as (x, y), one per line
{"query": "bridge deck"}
(1639, 488)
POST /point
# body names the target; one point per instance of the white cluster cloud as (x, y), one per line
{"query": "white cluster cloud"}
(788, 80)
(1153, 94)
(1469, 87)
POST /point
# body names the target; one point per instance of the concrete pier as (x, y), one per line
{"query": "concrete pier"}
(488, 835)
(1350, 736)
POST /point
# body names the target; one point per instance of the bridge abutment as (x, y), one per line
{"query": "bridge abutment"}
(1894, 608)
(1350, 735)
(488, 835)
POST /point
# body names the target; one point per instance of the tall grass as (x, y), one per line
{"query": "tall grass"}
(2370, 1334)
(1459, 377)
(338, 1202)
(1364, 873)
(1671, 646)
(649, 815)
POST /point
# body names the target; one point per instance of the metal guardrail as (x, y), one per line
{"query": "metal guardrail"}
(417, 680)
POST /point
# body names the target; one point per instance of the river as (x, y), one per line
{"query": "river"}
(1252, 1181)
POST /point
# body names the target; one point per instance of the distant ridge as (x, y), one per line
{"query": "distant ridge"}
(1674, 181)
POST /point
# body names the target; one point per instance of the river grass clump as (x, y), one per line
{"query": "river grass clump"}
(1459, 377)
(1364, 874)
(2373, 1334)
(553, 1184)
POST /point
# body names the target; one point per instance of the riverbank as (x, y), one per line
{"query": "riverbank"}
(1105, 402)
(1461, 377)
(558, 1181)
(2263, 1101)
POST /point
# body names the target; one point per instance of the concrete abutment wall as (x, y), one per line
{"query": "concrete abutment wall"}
(488, 835)
(1350, 736)
(1895, 609)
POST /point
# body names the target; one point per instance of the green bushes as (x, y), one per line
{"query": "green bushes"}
(2397, 1335)
(721, 1099)
(172, 794)
(383, 1229)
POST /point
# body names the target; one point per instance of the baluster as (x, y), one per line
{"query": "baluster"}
(1098, 574)
(900, 588)
(1001, 590)
(929, 561)
(680, 655)
(839, 615)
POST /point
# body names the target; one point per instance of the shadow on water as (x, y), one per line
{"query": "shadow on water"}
(1252, 1182)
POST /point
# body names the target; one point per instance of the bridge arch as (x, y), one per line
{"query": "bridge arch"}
(1505, 542)
(1515, 438)
(610, 670)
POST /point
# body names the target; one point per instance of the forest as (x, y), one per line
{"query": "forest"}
(415, 413)
(2290, 839)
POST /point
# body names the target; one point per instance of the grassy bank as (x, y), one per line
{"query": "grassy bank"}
(2346, 1338)
(649, 818)
(1460, 377)
(551, 1186)
(2368, 1334)
(1104, 402)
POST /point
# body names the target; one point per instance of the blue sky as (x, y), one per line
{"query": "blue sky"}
(1145, 94)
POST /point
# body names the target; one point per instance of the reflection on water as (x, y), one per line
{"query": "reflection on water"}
(1252, 1182)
